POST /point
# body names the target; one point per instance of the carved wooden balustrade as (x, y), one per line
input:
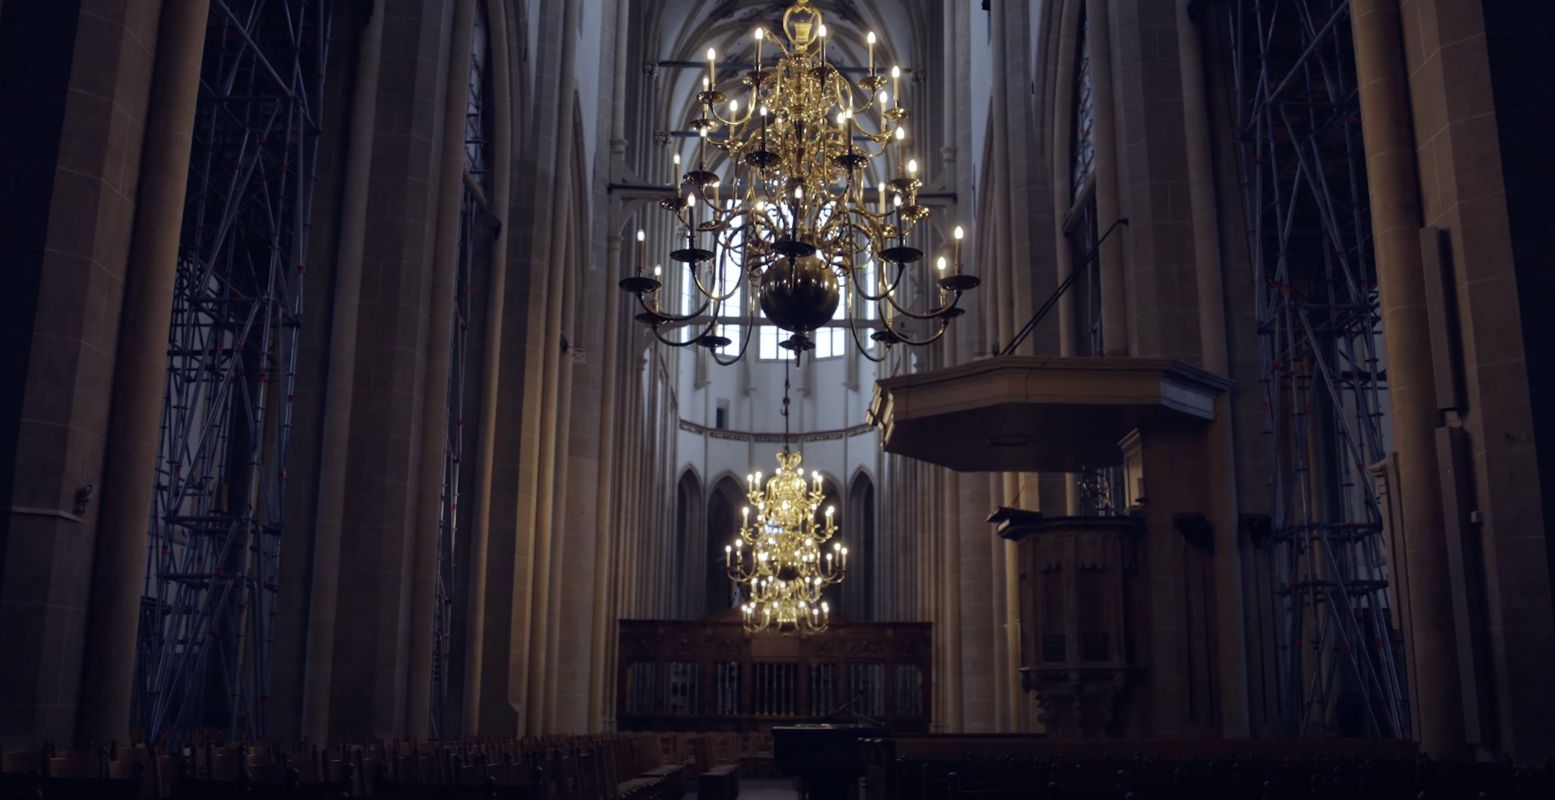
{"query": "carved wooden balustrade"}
(709, 675)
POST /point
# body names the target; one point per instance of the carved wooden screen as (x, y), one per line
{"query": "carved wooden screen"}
(710, 675)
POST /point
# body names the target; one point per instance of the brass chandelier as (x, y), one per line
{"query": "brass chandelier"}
(781, 559)
(793, 210)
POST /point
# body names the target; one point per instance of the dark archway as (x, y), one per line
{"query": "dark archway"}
(690, 541)
(860, 591)
(723, 524)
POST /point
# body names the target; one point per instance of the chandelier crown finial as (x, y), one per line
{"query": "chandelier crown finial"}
(776, 219)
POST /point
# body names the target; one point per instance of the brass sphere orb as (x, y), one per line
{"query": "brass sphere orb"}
(799, 296)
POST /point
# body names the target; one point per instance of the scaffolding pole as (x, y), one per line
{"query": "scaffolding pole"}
(208, 603)
(1322, 377)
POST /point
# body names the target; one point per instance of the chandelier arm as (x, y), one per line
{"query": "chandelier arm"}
(673, 343)
(908, 340)
(654, 309)
(934, 313)
(858, 343)
(712, 295)
(744, 344)
(888, 291)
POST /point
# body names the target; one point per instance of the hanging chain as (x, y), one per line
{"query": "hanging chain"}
(785, 406)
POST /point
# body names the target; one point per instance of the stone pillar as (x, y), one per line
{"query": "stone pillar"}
(1063, 192)
(72, 173)
(1232, 642)
(953, 675)
(140, 378)
(372, 623)
(1114, 306)
(1395, 210)
(976, 606)
(434, 397)
(322, 607)
(486, 442)
(601, 668)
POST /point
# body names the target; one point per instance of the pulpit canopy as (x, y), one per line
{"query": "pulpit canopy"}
(1038, 414)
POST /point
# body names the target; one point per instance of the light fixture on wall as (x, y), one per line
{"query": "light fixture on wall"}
(786, 556)
(781, 189)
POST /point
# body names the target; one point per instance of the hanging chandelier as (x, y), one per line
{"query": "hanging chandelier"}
(780, 559)
(790, 188)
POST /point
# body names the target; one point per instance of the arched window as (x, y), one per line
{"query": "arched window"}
(1080, 227)
(1082, 133)
(723, 524)
(860, 598)
(691, 542)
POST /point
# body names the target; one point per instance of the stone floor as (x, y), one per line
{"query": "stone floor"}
(764, 790)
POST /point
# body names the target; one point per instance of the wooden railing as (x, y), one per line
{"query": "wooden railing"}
(710, 675)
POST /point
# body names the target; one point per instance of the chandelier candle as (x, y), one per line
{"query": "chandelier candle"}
(784, 181)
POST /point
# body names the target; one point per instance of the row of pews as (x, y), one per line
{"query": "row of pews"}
(994, 767)
(617, 766)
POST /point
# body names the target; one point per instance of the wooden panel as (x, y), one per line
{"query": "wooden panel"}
(750, 683)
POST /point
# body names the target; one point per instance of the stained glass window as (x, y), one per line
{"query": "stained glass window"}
(1082, 140)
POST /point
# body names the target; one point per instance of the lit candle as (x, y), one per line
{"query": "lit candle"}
(712, 68)
(642, 250)
(958, 236)
(728, 556)
(761, 33)
(871, 40)
(822, 33)
(940, 264)
(901, 143)
(882, 197)
(896, 92)
(912, 167)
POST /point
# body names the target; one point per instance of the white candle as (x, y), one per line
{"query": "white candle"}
(712, 68)
(871, 40)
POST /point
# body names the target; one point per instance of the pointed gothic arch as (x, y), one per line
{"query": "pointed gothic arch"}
(690, 543)
(723, 521)
(860, 590)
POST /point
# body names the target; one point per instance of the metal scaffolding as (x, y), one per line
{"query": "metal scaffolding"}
(1323, 381)
(208, 604)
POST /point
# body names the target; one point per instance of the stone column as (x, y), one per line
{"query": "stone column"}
(496, 290)
(434, 398)
(140, 376)
(324, 593)
(1059, 165)
(542, 345)
(600, 668)
(1395, 211)
(1231, 639)
(1114, 306)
